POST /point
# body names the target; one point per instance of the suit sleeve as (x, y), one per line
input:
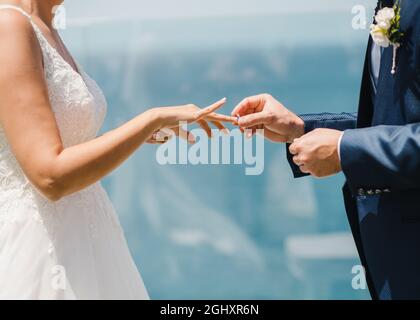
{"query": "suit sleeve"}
(382, 157)
(337, 121)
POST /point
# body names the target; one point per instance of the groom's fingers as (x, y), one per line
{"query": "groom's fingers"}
(250, 132)
(303, 166)
(294, 147)
(297, 161)
(254, 119)
(274, 137)
(249, 105)
(304, 169)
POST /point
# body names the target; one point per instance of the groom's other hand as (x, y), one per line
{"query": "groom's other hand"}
(265, 112)
(317, 152)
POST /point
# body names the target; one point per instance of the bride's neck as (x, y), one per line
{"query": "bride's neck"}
(44, 9)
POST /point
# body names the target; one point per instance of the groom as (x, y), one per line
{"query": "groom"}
(378, 150)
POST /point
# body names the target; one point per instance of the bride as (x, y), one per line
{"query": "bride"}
(59, 235)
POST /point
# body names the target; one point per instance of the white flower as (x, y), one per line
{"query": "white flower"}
(384, 17)
(381, 33)
(379, 36)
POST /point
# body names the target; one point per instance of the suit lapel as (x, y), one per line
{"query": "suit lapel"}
(387, 54)
(384, 89)
(365, 112)
(365, 103)
(385, 109)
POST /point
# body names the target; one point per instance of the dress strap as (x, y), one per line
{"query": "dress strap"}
(42, 40)
(38, 31)
(10, 6)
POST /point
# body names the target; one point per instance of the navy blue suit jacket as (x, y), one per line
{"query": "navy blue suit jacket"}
(380, 155)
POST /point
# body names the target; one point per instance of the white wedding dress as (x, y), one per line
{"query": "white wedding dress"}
(73, 248)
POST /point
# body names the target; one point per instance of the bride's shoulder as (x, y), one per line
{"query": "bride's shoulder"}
(17, 33)
(14, 23)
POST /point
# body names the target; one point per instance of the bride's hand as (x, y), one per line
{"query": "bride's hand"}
(170, 118)
(164, 135)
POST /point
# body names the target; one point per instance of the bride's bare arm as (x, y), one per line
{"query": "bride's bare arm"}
(32, 132)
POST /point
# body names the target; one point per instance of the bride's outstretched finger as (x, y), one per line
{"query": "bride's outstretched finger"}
(220, 118)
(211, 109)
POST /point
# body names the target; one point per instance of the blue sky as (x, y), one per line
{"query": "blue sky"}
(166, 22)
(194, 8)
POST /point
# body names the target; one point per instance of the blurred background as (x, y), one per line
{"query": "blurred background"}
(211, 232)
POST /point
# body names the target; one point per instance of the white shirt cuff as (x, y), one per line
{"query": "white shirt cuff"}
(339, 146)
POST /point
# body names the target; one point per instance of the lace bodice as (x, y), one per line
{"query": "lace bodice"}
(78, 104)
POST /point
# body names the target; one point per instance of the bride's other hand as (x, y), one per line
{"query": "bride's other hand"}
(164, 135)
(170, 118)
(158, 138)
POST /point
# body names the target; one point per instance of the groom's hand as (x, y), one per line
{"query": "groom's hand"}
(265, 112)
(316, 152)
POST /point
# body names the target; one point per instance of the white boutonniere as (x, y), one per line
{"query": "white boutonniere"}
(385, 31)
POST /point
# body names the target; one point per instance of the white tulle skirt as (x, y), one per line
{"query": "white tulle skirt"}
(71, 249)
